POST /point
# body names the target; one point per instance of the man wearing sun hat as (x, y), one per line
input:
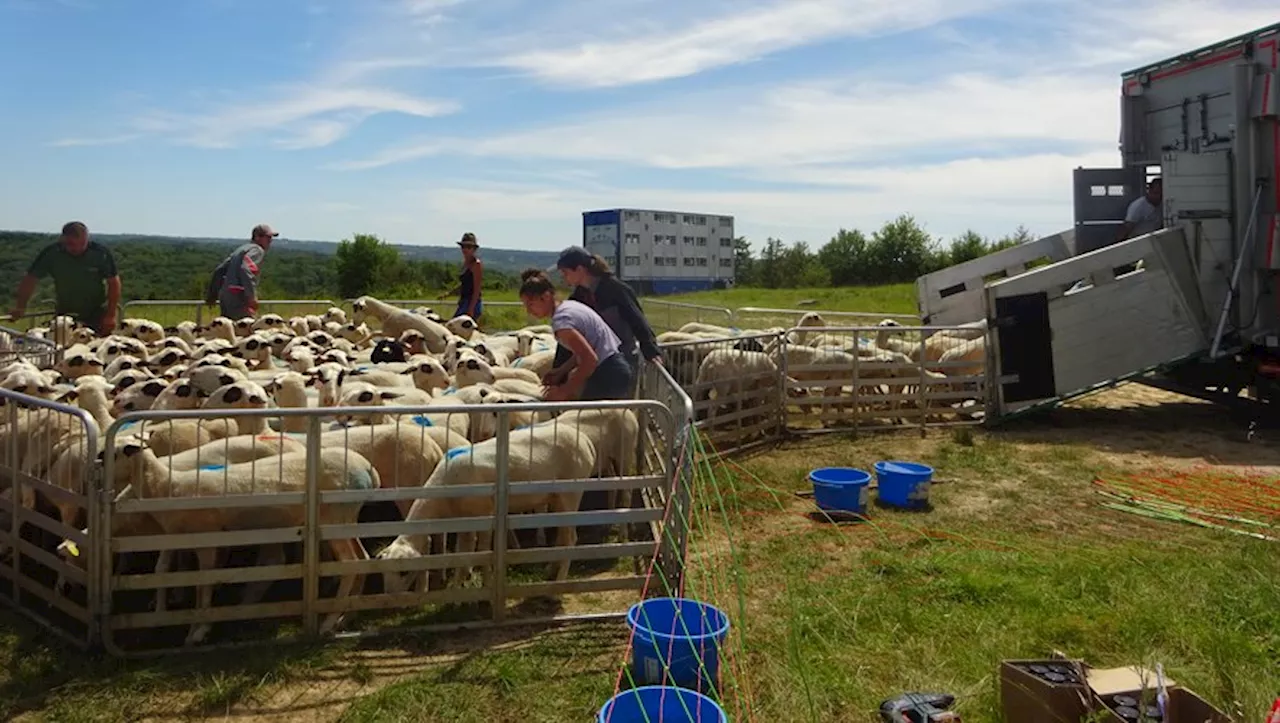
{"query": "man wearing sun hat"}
(234, 284)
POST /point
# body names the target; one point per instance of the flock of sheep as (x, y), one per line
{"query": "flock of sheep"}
(380, 358)
(729, 372)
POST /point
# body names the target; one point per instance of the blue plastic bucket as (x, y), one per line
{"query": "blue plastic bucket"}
(681, 635)
(661, 704)
(903, 484)
(841, 489)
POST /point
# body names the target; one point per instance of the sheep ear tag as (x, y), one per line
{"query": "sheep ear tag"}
(72, 548)
(129, 425)
(422, 420)
(457, 452)
(212, 467)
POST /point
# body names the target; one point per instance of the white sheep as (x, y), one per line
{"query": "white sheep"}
(290, 392)
(268, 322)
(539, 363)
(242, 395)
(547, 452)
(395, 321)
(138, 467)
(463, 326)
(121, 363)
(78, 361)
(207, 379)
(221, 328)
(335, 315)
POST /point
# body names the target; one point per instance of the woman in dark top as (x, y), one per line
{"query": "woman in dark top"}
(614, 301)
(471, 280)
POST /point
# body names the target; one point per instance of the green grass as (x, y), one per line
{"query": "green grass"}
(892, 299)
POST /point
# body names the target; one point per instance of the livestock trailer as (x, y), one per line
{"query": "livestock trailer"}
(1076, 311)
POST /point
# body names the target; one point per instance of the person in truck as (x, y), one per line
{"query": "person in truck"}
(1144, 214)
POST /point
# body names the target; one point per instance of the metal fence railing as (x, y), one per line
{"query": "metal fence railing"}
(47, 450)
(147, 553)
(757, 317)
(172, 311)
(671, 315)
(18, 342)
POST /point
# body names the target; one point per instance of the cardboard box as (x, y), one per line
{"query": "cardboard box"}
(1140, 684)
(1028, 698)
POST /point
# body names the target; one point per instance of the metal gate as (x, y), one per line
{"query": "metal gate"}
(47, 451)
(312, 553)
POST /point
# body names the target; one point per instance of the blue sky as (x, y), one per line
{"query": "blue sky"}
(420, 119)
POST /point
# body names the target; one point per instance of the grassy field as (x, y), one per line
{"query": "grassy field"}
(895, 299)
(1017, 558)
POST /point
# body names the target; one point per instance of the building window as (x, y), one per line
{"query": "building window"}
(702, 240)
(671, 240)
(659, 217)
(702, 260)
(671, 261)
(688, 261)
(688, 240)
(632, 261)
(631, 215)
(726, 263)
(700, 221)
(657, 239)
(632, 238)
(726, 242)
(726, 221)
(659, 261)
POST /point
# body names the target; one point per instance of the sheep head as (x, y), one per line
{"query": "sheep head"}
(471, 370)
(180, 394)
(464, 326)
(428, 375)
(78, 361)
(137, 398)
(360, 394)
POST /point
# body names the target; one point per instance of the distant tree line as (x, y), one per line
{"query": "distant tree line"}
(901, 251)
(171, 269)
(161, 268)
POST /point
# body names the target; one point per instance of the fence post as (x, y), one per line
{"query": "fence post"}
(921, 396)
(93, 494)
(857, 384)
(683, 499)
(15, 504)
(500, 507)
(786, 381)
(311, 532)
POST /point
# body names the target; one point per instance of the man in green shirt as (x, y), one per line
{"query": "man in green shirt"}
(85, 281)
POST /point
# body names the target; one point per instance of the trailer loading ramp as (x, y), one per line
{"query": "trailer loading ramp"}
(1051, 340)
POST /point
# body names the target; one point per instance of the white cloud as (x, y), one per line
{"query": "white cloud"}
(992, 196)
(302, 117)
(813, 123)
(95, 141)
(1142, 31)
(741, 36)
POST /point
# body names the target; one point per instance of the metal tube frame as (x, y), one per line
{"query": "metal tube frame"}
(313, 532)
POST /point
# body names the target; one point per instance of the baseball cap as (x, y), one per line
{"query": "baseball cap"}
(263, 229)
(573, 257)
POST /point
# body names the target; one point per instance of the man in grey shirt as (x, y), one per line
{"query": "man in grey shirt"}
(234, 285)
(1144, 214)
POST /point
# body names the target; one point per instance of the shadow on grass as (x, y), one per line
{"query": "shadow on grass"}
(58, 682)
(1175, 429)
